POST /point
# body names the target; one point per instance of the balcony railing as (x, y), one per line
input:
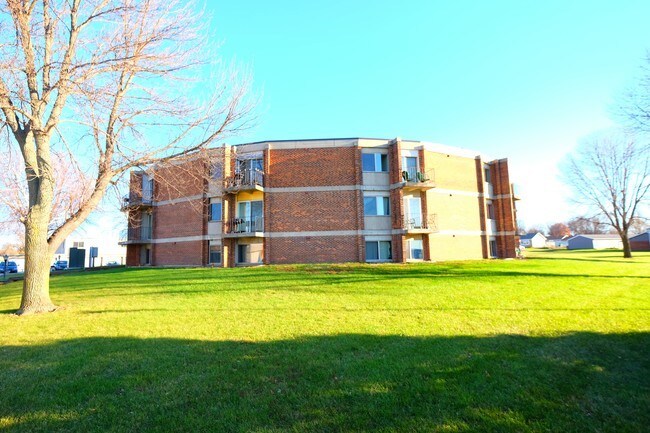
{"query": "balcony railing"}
(245, 180)
(242, 226)
(133, 200)
(135, 235)
(413, 176)
(420, 222)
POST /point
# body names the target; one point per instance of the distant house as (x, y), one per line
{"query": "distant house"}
(557, 243)
(594, 242)
(532, 240)
(640, 242)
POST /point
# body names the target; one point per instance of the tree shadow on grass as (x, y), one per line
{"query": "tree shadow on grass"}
(571, 383)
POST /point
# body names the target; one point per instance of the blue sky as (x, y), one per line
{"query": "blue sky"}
(524, 80)
(516, 79)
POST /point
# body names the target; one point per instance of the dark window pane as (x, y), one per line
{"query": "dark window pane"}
(384, 162)
(386, 209)
(372, 251)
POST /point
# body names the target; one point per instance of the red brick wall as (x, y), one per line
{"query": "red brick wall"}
(314, 249)
(399, 249)
(133, 255)
(312, 167)
(178, 253)
(312, 211)
(182, 180)
(394, 161)
(180, 219)
(503, 208)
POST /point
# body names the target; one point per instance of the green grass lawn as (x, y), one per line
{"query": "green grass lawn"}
(559, 342)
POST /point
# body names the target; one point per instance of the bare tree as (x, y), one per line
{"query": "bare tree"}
(611, 175)
(12, 249)
(534, 229)
(587, 225)
(72, 187)
(521, 227)
(110, 82)
(639, 225)
(634, 106)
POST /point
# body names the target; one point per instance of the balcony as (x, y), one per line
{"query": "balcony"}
(135, 235)
(133, 201)
(245, 180)
(415, 224)
(420, 180)
(245, 228)
(514, 191)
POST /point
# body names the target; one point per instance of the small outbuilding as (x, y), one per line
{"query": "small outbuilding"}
(532, 240)
(640, 242)
(557, 243)
(594, 242)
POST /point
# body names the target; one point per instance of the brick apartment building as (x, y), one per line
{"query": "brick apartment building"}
(330, 200)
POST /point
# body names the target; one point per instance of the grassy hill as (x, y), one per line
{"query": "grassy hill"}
(557, 342)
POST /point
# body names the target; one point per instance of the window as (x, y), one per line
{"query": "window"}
(413, 212)
(250, 217)
(377, 162)
(145, 256)
(244, 165)
(493, 248)
(216, 170)
(415, 249)
(147, 187)
(214, 211)
(378, 250)
(410, 168)
(215, 253)
(78, 244)
(376, 206)
(490, 210)
(488, 176)
(147, 224)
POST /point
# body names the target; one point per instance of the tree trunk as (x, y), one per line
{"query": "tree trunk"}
(36, 286)
(40, 181)
(627, 251)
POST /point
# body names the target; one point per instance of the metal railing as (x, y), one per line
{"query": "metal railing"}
(136, 200)
(136, 234)
(420, 222)
(245, 178)
(246, 225)
(412, 174)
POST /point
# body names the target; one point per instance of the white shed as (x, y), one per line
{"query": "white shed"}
(532, 240)
(595, 242)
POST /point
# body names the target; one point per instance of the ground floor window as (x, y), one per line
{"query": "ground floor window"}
(250, 253)
(378, 250)
(493, 248)
(415, 249)
(145, 256)
(242, 253)
(215, 253)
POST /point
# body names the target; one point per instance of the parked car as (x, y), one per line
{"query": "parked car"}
(12, 267)
(113, 263)
(59, 265)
